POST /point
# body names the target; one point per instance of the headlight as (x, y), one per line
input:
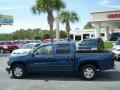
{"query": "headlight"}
(114, 48)
(94, 49)
(5, 47)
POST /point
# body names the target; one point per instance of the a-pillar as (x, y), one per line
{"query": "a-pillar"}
(97, 30)
(106, 33)
(74, 37)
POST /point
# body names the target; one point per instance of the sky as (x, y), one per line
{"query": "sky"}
(24, 19)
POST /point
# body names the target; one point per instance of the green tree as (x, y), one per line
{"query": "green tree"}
(88, 26)
(48, 6)
(37, 37)
(46, 36)
(66, 17)
(4, 37)
(63, 34)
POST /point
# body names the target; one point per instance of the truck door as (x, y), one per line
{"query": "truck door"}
(43, 58)
(63, 59)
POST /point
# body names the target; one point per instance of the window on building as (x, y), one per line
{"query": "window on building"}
(102, 34)
(85, 36)
(77, 38)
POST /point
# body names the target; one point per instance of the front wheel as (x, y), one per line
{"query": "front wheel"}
(88, 72)
(18, 71)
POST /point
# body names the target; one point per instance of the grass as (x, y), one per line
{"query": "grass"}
(108, 45)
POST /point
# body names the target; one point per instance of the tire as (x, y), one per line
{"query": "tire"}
(18, 71)
(88, 72)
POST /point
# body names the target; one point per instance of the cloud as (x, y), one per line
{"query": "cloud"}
(109, 4)
(11, 8)
(105, 2)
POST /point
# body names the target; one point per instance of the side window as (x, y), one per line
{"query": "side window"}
(63, 49)
(44, 50)
(37, 45)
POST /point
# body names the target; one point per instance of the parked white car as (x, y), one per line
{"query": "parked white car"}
(116, 49)
(25, 48)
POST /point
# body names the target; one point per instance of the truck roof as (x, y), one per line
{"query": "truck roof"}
(61, 42)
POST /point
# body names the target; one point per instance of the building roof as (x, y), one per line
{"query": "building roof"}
(105, 11)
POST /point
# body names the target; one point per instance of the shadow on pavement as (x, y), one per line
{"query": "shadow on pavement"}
(109, 76)
(102, 76)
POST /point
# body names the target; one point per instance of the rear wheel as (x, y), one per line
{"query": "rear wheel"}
(88, 72)
(18, 71)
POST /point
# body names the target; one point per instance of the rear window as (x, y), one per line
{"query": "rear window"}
(89, 42)
(115, 34)
(63, 49)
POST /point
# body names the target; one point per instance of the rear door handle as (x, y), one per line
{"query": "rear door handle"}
(67, 57)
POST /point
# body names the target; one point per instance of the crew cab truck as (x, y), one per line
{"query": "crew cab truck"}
(59, 57)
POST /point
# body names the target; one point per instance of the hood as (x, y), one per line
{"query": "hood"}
(20, 51)
(116, 46)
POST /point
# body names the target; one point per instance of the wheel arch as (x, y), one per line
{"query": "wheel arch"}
(94, 63)
(16, 63)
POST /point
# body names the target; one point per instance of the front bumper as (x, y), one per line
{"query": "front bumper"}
(8, 68)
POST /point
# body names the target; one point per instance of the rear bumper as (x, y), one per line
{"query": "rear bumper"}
(8, 68)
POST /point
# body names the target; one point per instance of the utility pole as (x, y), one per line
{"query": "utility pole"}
(57, 27)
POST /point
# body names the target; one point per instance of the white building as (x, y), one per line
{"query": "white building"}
(105, 23)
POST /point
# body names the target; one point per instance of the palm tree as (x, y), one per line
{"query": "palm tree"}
(66, 17)
(48, 6)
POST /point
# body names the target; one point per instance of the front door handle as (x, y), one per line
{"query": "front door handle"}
(49, 57)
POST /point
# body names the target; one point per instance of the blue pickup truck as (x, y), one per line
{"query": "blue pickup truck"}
(60, 57)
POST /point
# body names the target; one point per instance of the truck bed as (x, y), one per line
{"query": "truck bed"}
(90, 51)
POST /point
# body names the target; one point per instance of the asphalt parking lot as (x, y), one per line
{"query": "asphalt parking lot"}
(108, 80)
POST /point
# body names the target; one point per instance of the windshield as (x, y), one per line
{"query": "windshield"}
(89, 42)
(27, 46)
(118, 42)
(5, 43)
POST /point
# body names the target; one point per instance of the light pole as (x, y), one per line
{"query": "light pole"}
(57, 27)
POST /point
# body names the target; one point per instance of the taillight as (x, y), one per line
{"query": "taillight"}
(113, 58)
